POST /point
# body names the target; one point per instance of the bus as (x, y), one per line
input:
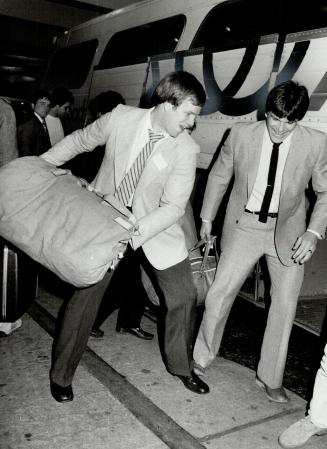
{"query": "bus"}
(238, 49)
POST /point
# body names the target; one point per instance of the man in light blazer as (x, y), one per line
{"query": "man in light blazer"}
(272, 162)
(158, 204)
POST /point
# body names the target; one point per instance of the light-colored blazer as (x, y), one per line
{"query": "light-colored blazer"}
(8, 141)
(240, 156)
(164, 187)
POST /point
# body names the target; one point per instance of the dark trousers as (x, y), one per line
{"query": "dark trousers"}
(125, 292)
(179, 293)
(74, 330)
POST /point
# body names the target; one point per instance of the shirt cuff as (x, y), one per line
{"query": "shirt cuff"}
(315, 233)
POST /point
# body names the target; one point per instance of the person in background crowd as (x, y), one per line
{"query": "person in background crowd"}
(272, 162)
(8, 152)
(130, 297)
(32, 135)
(99, 105)
(315, 423)
(62, 102)
(159, 188)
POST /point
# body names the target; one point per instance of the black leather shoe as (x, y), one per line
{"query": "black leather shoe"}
(97, 333)
(61, 394)
(136, 331)
(194, 383)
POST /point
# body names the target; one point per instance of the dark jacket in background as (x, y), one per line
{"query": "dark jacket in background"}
(32, 138)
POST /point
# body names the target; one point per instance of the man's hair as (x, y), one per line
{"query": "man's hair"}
(177, 87)
(39, 94)
(105, 102)
(61, 95)
(288, 100)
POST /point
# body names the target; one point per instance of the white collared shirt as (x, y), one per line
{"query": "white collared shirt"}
(255, 201)
(39, 118)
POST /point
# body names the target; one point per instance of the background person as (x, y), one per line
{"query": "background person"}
(272, 162)
(129, 297)
(32, 135)
(315, 423)
(8, 152)
(62, 102)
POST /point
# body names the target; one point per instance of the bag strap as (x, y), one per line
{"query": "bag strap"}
(207, 248)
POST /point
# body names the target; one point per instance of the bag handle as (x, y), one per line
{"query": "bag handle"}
(207, 248)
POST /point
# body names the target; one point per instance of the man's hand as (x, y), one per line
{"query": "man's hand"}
(205, 231)
(304, 247)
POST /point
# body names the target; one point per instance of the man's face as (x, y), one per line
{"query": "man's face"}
(179, 118)
(42, 107)
(279, 128)
(64, 109)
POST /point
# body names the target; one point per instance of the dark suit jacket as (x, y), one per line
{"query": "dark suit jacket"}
(32, 139)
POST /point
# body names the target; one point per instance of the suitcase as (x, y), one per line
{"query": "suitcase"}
(18, 277)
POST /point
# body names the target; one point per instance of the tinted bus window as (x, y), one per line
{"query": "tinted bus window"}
(134, 45)
(71, 65)
(301, 15)
(238, 21)
(235, 22)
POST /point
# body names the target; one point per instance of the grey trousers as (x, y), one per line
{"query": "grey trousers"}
(251, 241)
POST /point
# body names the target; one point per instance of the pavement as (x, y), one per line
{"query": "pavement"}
(125, 399)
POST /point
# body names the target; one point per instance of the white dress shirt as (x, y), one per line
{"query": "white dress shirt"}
(255, 201)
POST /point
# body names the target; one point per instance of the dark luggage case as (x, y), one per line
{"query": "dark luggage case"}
(18, 281)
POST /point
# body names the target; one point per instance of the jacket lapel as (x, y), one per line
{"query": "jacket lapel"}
(158, 161)
(294, 157)
(123, 146)
(254, 153)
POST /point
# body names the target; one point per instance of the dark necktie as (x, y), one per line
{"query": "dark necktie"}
(128, 184)
(45, 126)
(270, 184)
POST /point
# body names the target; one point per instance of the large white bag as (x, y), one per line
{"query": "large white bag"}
(46, 212)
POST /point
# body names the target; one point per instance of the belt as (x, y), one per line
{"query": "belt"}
(270, 214)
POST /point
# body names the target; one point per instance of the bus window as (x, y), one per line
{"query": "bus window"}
(238, 21)
(71, 65)
(134, 45)
(299, 15)
(235, 22)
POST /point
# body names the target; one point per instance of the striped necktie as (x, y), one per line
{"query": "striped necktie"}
(128, 184)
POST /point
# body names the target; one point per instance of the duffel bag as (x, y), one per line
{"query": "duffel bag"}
(49, 214)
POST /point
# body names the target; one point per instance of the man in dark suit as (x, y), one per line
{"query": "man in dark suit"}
(32, 135)
(149, 165)
(272, 162)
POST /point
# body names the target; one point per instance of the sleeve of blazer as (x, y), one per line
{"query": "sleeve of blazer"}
(80, 141)
(8, 142)
(176, 193)
(219, 178)
(318, 219)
